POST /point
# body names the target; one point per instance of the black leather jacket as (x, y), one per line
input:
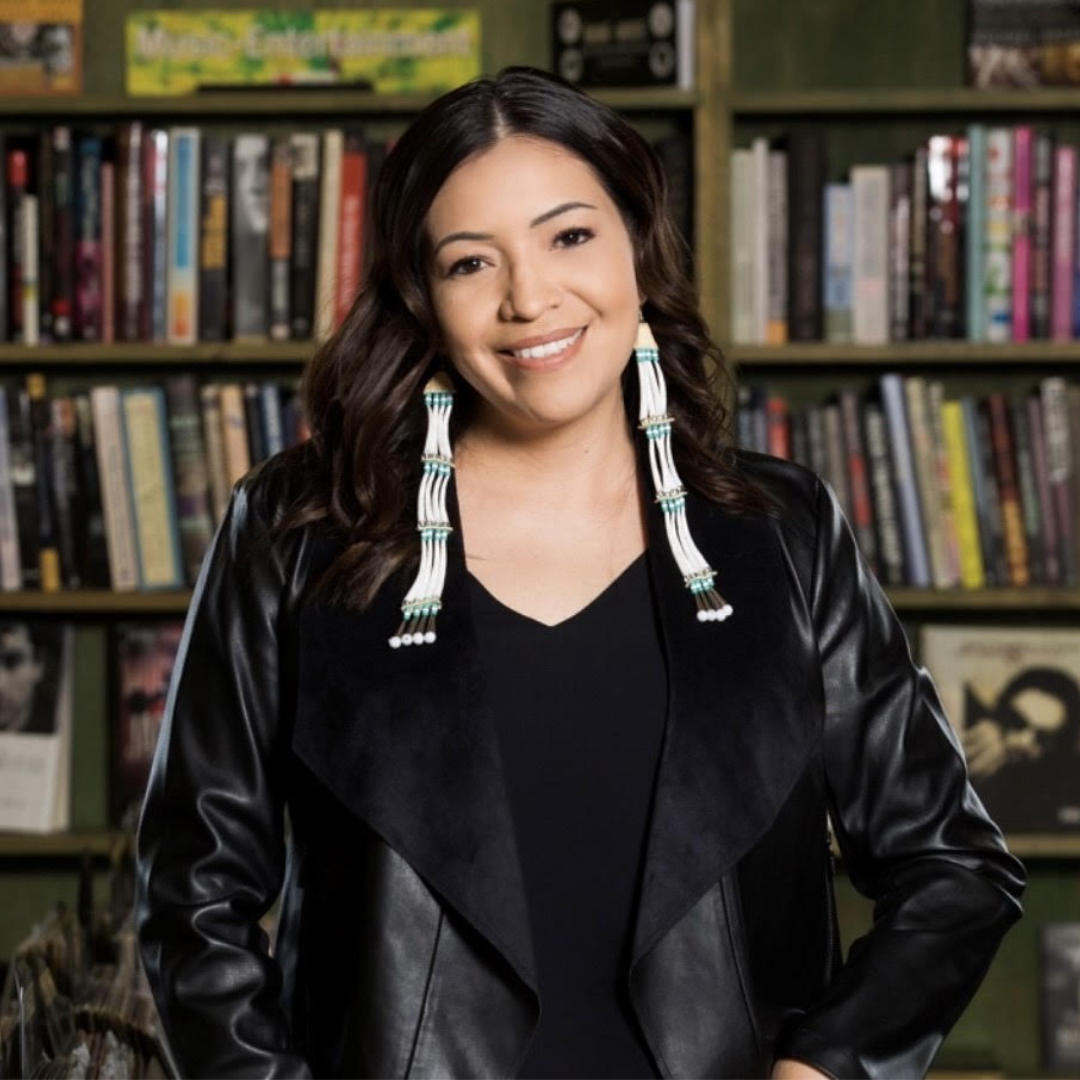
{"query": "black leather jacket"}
(404, 946)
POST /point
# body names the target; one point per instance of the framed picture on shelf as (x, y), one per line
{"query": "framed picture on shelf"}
(1013, 697)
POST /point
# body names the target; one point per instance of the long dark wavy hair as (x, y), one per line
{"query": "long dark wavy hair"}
(362, 392)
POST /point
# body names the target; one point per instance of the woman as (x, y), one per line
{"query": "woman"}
(557, 771)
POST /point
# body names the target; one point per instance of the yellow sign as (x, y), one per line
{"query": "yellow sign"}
(388, 50)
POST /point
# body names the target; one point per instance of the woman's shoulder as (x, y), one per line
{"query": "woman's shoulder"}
(271, 486)
(795, 487)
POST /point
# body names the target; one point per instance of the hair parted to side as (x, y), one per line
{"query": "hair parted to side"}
(362, 391)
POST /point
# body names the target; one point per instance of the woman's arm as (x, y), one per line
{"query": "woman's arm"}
(210, 844)
(912, 831)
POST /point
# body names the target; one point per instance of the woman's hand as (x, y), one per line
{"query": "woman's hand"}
(790, 1069)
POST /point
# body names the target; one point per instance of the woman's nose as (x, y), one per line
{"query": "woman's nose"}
(529, 292)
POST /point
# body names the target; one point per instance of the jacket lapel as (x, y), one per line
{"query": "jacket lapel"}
(401, 738)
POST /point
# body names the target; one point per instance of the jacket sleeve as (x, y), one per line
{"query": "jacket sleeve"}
(913, 834)
(210, 846)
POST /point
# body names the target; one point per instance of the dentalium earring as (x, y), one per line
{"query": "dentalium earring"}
(424, 598)
(698, 575)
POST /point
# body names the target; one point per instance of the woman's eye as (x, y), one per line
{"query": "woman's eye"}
(586, 233)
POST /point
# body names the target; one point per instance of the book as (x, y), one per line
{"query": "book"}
(36, 703)
(182, 236)
(143, 657)
(250, 240)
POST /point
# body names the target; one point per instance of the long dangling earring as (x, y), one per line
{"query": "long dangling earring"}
(698, 575)
(424, 598)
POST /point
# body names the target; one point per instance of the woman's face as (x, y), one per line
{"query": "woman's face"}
(530, 275)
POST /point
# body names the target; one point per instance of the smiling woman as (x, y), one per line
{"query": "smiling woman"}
(580, 831)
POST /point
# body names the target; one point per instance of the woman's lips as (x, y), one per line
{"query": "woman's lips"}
(546, 363)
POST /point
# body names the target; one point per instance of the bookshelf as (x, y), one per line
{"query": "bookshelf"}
(878, 78)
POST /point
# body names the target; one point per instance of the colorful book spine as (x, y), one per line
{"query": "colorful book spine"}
(214, 238)
(270, 396)
(1051, 571)
(114, 474)
(91, 540)
(155, 234)
(47, 540)
(1042, 178)
(281, 197)
(193, 509)
(108, 251)
(870, 256)
(1064, 242)
(17, 179)
(997, 288)
(182, 218)
(157, 534)
(214, 439)
(251, 236)
(88, 310)
(917, 568)
(63, 297)
(776, 305)
(1022, 226)
(900, 251)
(129, 246)
(305, 233)
(1016, 554)
(838, 229)
(31, 327)
(10, 569)
(967, 525)
(975, 234)
(329, 212)
(919, 280)
(46, 183)
(234, 432)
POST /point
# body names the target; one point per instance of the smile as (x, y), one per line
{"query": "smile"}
(549, 355)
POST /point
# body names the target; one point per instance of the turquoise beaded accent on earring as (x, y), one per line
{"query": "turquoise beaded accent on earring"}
(698, 575)
(423, 601)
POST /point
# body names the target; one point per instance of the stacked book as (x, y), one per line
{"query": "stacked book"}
(970, 236)
(981, 490)
(122, 487)
(178, 235)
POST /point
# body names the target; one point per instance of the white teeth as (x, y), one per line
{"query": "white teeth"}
(550, 348)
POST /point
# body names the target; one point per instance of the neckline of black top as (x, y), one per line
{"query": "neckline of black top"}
(494, 604)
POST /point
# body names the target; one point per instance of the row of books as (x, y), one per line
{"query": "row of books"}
(180, 234)
(122, 487)
(970, 236)
(177, 235)
(981, 490)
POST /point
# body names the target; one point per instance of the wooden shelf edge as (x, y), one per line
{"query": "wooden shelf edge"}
(961, 99)
(97, 601)
(52, 845)
(135, 352)
(931, 351)
(275, 103)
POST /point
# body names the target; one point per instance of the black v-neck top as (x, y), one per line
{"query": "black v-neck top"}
(580, 709)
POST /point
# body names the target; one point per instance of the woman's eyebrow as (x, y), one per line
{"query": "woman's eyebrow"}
(547, 215)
